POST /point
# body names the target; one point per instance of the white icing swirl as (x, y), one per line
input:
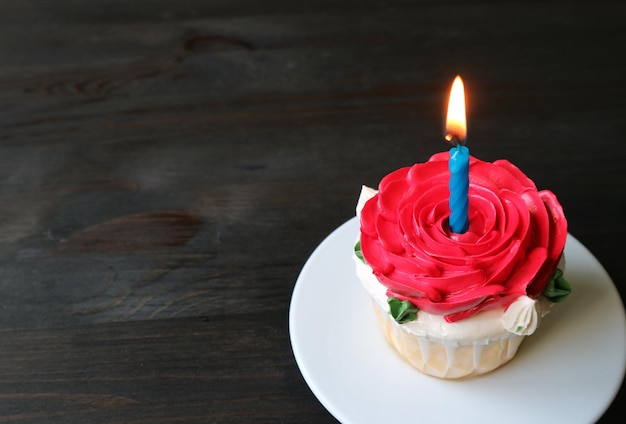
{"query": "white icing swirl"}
(366, 194)
(521, 317)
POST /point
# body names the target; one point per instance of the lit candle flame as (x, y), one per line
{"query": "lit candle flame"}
(456, 127)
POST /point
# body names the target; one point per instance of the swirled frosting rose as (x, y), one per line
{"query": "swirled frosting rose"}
(515, 239)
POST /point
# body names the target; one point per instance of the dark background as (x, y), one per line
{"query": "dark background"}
(167, 167)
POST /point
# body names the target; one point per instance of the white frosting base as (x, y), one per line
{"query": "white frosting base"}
(522, 317)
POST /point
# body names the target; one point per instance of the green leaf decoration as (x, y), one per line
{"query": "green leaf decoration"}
(358, 252)
(402, 311)
(558, 288)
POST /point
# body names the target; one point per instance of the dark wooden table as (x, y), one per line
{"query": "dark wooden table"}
(167, 167)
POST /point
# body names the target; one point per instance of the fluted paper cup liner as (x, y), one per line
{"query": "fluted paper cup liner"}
(448, 359)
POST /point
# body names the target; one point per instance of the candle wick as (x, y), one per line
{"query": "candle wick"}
(454, 139)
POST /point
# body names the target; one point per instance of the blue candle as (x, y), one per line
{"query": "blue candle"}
(459, 186)
(458, 164)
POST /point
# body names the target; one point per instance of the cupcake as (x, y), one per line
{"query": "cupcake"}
(459, 305)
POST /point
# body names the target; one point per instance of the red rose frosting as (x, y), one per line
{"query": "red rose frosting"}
(515, 238)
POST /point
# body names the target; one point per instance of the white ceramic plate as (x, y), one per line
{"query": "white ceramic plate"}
(569, 371)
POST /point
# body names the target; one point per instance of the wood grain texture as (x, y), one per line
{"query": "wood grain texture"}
(166, 168)
(197, 370)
